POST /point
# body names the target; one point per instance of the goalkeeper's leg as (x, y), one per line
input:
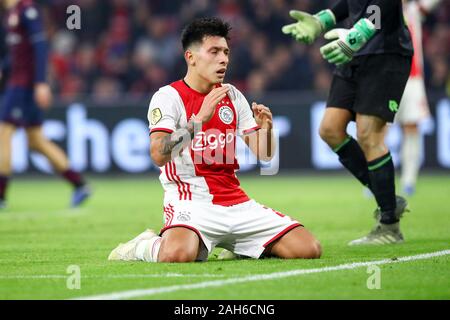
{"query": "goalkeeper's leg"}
(333, 130)
(371, 133)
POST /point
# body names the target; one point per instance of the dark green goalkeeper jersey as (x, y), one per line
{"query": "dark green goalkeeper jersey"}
(393, 35)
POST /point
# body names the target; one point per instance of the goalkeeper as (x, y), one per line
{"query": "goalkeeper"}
(373, 60)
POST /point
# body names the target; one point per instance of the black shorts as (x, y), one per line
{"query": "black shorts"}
(371, 85)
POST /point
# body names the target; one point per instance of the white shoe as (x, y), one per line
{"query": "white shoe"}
(227, 255)
(127, 251)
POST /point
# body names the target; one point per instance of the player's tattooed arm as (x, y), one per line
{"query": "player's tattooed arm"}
(164, 145)
(169, 142)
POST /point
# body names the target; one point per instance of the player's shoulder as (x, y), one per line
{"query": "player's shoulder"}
(165, 97)
(167, 92)
(234, 92)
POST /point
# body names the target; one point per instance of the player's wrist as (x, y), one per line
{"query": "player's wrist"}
(366, 28)
(194, 126)
(362, 31)
(198, 119)
(326, 19)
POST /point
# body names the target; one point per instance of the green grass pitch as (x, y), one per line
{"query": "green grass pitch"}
(40, 238)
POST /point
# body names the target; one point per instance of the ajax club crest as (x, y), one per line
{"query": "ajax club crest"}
(226, 114)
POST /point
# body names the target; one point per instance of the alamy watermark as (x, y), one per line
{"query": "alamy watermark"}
(73, 21)
(374, 280)
(73, 281)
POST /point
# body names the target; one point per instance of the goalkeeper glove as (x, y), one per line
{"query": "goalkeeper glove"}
(347, 42)
(308, 27)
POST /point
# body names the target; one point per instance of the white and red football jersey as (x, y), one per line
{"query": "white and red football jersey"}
(206, 170)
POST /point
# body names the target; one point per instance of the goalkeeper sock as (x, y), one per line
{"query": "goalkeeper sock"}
(147, 250)
(382, 181)
(3, 185)
(352, 158)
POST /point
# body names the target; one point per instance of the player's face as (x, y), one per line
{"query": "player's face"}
(211, 59)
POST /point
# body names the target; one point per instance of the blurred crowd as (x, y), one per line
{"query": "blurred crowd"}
(132, 47)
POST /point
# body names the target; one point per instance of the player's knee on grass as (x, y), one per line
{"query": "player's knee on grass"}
(299, 243)
(179, 245)
(176, 254)
(308, 250)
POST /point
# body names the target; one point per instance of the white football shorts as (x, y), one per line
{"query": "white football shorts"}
(245, 229)
(414, 105)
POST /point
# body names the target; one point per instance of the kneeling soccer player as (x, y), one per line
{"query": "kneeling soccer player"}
(194, 123)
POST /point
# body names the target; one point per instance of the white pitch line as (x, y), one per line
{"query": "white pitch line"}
(260, 277)
(111, 276)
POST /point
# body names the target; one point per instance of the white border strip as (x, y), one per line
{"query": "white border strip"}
(260, 277)
(111, 276)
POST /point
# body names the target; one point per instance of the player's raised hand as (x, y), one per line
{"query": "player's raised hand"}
(263, 116)
(210, 102)
(347, 41)
(43, 95)
(309, 27)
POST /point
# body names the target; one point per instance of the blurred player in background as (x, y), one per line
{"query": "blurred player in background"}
(28, 94)
(414, 105)
(373, 65)
(194, 123)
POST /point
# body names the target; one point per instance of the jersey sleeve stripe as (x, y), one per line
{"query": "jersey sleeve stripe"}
(162, 130)
(251, 130)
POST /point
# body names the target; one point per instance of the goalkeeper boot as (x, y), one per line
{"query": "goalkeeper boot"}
(80, 195)
(400, 209)
(127, 251)
(381, 234)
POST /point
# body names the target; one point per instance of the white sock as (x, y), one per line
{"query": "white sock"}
(410, 158)
(147, 250)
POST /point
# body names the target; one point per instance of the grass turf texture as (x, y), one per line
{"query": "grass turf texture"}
(40, 237)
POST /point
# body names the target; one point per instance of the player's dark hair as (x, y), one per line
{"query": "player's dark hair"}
(204, 27)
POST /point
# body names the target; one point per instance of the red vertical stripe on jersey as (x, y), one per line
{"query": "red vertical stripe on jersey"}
(169, 174)
(186, 187)
(169, 215)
